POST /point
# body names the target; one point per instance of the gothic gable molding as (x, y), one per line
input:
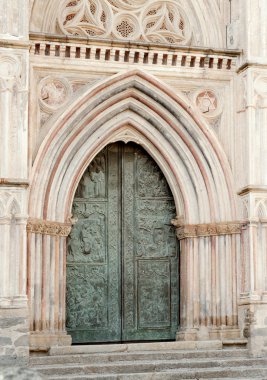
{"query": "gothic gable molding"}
(10, 207)
(10, 71)
(163, 21)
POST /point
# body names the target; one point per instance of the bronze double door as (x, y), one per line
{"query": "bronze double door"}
(122, 256)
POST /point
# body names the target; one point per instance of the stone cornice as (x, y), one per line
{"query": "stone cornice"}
(252, 189)
(46, 227)
(206, 230)
(60, 39)
(257, 63)
(14, 182)
(17, 44)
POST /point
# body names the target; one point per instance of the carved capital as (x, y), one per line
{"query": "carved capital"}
(45, 227)
(205, 230)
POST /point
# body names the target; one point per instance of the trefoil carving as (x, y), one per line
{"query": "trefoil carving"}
(152, 21)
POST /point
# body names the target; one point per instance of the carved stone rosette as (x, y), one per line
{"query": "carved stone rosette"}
(45, 227)
(206, 230)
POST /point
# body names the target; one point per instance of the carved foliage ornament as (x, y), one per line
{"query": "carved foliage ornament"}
(45, 227)
(205, 230)
(152, 21)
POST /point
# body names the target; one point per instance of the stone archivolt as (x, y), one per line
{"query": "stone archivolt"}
(152, 21)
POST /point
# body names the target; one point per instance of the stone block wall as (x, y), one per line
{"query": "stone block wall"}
(14, 337)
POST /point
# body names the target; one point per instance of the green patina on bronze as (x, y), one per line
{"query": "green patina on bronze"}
(122, 260)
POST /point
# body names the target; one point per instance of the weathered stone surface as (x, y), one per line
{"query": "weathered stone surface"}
(8, 360)
(259, 332)
(19, 374)
(22, 341)
(6, 323)
(5, 341)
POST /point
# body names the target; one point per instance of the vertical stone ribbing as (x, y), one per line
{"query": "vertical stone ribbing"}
(47, 290)
(209, 287)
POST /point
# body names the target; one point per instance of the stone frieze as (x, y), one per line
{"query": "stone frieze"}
(45, 227)
(205, 230)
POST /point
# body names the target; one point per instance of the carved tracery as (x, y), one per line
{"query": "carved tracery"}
(153, 21)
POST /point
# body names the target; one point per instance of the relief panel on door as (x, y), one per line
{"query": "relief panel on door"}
(150, 260)
(93, 257)
(122, 262)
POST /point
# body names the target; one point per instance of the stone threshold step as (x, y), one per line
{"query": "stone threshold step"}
(143, 378)
(157, 366)
(134, 356)
(183, 363)
(133, 347)
(214, 374)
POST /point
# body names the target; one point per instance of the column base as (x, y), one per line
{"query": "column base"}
(43, 341)
(208, 333)
(18, 302)
(187, 335)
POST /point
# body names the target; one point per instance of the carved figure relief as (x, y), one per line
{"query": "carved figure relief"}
(87, 238)
(86, 297)
(154, 300)
(155, 208)
(154, 21)
(150, 177)
(93, 182)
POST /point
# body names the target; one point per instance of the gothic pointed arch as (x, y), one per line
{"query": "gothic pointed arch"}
(138, 107)
(13, 207)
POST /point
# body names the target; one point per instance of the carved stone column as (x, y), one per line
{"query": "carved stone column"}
(14, 61)
(47, 283)
(250, 169)
(253, 294)
(252, 174)
(209, 259)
